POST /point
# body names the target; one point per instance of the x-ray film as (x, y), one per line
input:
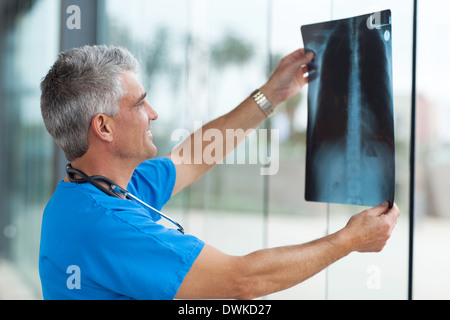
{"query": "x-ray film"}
(350, 138)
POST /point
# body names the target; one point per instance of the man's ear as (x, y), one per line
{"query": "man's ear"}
(102, 126)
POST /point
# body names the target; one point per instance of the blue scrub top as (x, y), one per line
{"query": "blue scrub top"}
(94, 246)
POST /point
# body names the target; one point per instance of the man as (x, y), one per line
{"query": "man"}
(100, 246)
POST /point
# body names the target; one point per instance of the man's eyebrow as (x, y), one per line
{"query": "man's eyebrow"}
(144, 95)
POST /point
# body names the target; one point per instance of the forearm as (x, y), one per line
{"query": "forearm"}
(216, 275)
(273, 270)
(214, 141)
(240, 122)
(280, 268)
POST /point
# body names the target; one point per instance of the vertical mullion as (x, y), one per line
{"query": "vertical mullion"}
(412, 157)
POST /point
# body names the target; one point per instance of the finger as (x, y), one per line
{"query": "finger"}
(304, 81)
(393, 214)
(379, 210)
(303, 75)
(305, 70)
(300, 57)
(309, 56)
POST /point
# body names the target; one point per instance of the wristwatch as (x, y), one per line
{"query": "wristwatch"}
(263, 103)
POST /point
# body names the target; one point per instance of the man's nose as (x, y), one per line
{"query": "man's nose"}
(152, 114)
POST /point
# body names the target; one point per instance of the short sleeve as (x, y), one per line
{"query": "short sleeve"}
(153, 181)
(142, 259)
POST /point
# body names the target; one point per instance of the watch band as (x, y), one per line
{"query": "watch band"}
(263, 103)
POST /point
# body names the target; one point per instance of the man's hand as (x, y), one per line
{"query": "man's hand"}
(370, 230)
(288, 78)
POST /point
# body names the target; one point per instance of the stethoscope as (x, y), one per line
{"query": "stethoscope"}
(114, 191)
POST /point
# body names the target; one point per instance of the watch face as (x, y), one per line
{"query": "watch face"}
(350, 137)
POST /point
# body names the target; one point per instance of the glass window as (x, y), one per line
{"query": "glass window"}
(199, 59)
(291, 219)
(190, 59)
(27, 150)
(432, 223)
(383, 275)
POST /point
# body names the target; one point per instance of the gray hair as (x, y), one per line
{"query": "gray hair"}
(83, 82)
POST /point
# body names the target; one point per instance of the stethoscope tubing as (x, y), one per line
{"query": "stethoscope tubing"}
(114, 191)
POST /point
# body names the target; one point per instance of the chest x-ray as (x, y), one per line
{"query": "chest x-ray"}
(350, 139)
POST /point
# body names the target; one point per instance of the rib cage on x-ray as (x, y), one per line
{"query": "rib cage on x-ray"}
(350, 147)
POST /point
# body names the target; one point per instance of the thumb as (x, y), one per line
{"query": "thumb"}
(299, 57)
(380, 210)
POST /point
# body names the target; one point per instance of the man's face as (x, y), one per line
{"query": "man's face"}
(132, 137)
